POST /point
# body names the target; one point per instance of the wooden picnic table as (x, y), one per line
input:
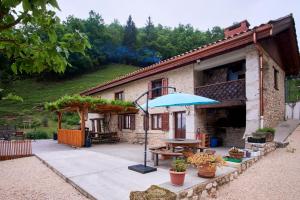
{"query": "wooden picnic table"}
(185, 143)
(155, 154)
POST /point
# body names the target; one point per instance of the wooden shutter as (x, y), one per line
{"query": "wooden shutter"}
(98, 125)
(146, 122)
(93, 125)
(165, 122)
(150, 88)
(165, 84)
(120, 122)
(132, 122)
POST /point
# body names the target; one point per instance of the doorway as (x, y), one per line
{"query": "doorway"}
(180, 124)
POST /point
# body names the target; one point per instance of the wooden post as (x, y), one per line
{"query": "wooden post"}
(59, 117)
(82, 119)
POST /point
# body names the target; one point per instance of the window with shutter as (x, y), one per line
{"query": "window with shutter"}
(128, 122)
(156, 121)
(159, 91)
(119, 96)
(165, 121)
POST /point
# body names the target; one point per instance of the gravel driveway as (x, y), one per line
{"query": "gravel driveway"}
(277, 176)
(29, 178)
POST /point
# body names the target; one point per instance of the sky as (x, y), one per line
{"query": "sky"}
(202, 14)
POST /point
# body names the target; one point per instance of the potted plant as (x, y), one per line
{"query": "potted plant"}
(266, 134)
(236, 153)
(177, 172)
(206, 164)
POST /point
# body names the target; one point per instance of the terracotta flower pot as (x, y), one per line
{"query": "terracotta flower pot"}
(207, 170)
(237, 155)
(177, 178)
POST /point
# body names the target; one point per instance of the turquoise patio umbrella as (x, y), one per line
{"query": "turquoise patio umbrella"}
(179, 99)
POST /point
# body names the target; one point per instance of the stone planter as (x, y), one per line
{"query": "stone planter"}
(207, 170)
(177, 178)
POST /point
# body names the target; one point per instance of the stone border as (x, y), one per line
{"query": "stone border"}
(209, 189)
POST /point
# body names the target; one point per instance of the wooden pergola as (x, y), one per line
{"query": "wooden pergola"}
(76, 138)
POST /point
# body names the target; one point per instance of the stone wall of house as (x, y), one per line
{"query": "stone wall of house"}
(184, 79)
(181, 78)
(274, 99)
(252, 91)
(233, 137)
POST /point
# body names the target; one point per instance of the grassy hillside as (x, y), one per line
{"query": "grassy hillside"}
(35, 94)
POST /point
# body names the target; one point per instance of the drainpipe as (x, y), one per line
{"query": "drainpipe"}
(261, 80)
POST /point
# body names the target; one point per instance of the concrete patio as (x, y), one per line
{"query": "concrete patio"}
(101, 172)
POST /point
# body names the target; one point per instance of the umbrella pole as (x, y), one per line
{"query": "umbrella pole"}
(146, 131)
(143, 168)
(145, 149)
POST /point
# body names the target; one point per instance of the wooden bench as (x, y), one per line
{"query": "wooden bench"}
(155, 154)
(162, 147)
(108, 137)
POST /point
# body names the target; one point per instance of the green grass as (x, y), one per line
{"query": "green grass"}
(35, 94)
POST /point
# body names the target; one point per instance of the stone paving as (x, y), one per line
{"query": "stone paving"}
(105, 175)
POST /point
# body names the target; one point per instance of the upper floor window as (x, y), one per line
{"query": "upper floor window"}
(156, 84)
(119, 96)
(156, 122)
(276, 73)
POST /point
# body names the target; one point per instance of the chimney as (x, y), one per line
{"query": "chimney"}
(236, 28)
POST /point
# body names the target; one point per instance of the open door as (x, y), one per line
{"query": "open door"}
(180, 125)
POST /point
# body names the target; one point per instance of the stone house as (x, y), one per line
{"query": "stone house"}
(245, 71)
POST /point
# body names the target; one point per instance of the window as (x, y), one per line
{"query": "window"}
(128, 122)
(276, 79)
(156, 84)
(156, 122)
(119, 95)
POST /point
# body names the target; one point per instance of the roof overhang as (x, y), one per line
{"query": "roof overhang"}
(272, 29)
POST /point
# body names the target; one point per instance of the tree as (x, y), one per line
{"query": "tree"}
(29, 38)
(149, 38)
(130, 33)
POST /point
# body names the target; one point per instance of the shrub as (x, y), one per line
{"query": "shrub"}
(37, 134)
(266, 130)
(72, 119)
(35, 124)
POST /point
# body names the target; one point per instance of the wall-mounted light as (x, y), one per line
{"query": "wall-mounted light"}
(188, 110)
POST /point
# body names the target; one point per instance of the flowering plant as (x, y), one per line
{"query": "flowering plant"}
(199, 159)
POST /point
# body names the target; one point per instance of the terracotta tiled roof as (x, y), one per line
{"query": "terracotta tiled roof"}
(231, 42)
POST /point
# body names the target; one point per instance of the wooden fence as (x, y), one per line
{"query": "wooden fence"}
(71, 137)
(15, 149)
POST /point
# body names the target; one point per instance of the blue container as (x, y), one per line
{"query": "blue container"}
(214, 142)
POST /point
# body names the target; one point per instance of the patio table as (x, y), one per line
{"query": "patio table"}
(185, 143)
